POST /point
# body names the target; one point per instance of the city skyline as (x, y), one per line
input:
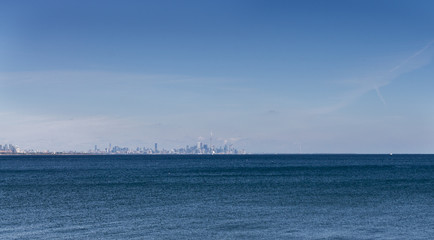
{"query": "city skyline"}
(196, 149)
(266, 76)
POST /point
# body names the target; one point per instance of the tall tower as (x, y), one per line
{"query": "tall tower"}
(156, 147)
(210, 140)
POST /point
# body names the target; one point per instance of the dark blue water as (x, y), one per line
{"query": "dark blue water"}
(217, 197)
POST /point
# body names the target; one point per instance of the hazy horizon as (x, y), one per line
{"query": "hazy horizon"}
(265, 76)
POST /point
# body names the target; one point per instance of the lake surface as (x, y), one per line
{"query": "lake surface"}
(217, 197)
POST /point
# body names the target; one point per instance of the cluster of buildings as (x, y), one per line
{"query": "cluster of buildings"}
(199, 148)
(9, 149)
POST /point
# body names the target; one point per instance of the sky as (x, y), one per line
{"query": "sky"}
(265, 76)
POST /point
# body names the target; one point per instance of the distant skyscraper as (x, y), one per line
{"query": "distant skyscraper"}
(156, 147)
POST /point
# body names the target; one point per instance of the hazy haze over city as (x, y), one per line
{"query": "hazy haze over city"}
(265, 76)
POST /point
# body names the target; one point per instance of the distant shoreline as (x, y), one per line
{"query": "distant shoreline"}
(175, 154)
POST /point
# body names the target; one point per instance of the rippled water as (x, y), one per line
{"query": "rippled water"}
(217, 197)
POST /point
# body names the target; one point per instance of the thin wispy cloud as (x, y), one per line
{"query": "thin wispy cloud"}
(380, 96)
(411, 57)
(95, 78)
(376, 82)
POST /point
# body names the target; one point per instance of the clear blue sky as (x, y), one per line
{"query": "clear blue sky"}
(267, 76)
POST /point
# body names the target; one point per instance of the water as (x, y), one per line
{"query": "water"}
(217, 197)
